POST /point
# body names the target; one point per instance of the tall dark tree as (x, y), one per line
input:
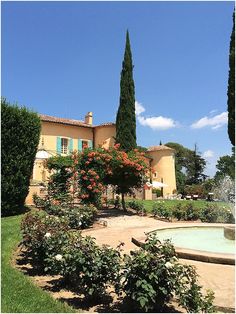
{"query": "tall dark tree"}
(231, 87)
(195, 167)
(125, 119)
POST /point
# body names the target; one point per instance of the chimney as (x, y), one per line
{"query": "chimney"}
(89, 118)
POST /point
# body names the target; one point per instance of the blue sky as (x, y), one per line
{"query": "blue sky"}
(64, 59)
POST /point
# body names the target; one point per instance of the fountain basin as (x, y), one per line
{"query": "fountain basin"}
(198, 242)
(229, 233)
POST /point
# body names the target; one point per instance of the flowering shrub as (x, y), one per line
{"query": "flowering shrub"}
(153, 275)
(36, 228)
(87, 266)
(60, 168)
(79, 217)
(191, 213)
(179, 212)
(160, 209)
(137, 206)
(39, 201)
(100, 167)
(213, 213)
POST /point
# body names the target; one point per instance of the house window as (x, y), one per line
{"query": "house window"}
(64, 145)
(85, 144)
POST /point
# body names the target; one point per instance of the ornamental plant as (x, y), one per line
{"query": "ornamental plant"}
(153, 276)
(36, 228)
(137, 206)
(79, 217)
(85, 265)
(20, 137)
(159, 209)
(101, 167)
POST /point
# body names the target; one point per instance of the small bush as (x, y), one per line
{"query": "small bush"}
(213, 213)
(79, 217)
(192, 213)
(153, 275)
(160, 210)
(86, 266)
(137, 206)
(36, 228)
(179, 212)
(20, 138)
(39, 201)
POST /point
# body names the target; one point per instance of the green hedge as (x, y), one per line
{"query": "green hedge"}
(20, 138)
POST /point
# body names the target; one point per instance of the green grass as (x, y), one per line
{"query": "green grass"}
(172, 203)
(19, 293)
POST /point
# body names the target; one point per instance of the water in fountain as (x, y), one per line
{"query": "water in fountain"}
(225, 191)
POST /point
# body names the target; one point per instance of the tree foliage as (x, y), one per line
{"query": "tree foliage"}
(226, 167)
(125, 119)
(195, 166)
(231, 87)
(189, 166)
(86, 175)
(20, 138)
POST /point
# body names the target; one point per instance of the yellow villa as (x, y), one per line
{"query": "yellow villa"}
(61, 136)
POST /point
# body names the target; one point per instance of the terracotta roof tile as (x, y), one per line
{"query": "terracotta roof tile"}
(46, 118)
(105, 124)
(159, 147)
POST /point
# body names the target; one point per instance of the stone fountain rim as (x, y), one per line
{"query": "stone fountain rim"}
(198, 255)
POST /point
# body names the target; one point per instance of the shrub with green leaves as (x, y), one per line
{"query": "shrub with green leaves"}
(79, 217)
(214, 213)
(160, 210)
(179, 212)
(85, 265)
(40, 202)
(20, 138)
(192, 213)
(153, 276)
(137, 206)
(36, 228)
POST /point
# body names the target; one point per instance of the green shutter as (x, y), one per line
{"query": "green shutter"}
(58, 145)
(90, 144)
(70, 145)
(80, 148)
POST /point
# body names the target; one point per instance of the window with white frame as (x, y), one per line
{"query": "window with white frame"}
(64, 145)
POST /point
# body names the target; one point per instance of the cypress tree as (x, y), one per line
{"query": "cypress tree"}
(125, 119)
(231, 88)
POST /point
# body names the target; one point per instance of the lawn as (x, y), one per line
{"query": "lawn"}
(172, 203)
(19, 293)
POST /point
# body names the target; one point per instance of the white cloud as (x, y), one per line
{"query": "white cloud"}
(214, 122)
(139, 108)
(208, 154)
(155, 123)
(158, 123)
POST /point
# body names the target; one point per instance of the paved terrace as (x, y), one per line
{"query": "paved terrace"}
(122, 227)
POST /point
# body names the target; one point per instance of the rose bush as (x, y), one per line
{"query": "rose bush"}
(153, 275)
(37, 227)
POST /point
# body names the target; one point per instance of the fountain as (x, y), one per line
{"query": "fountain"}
(207, 242)
(225, 191)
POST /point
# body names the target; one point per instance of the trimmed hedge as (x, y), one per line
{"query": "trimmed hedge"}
(20, 138)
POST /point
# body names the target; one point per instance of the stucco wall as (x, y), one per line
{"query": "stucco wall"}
(164, 164)
(104, 135)
(50, 131)
(40, 173)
